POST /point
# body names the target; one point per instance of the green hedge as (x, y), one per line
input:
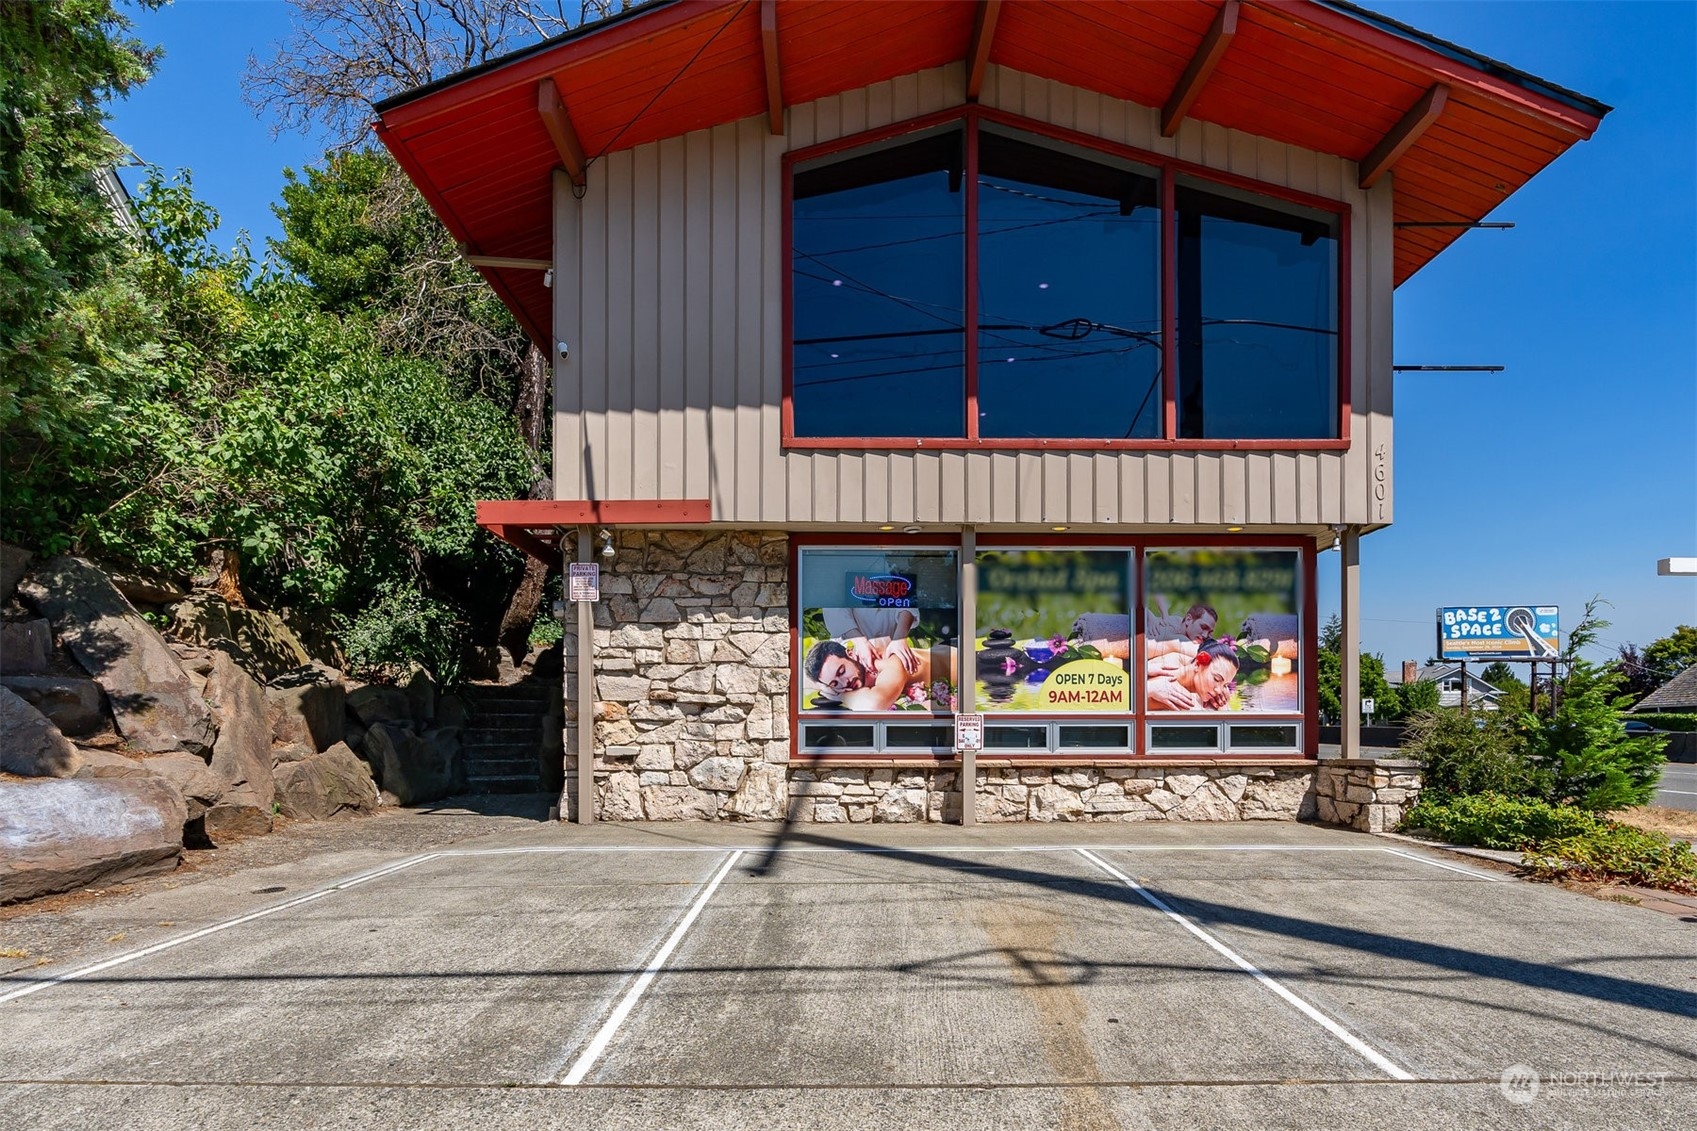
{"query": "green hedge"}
(1666, 721)
(1560, 842)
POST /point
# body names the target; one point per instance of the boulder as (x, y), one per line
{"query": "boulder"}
(98, 763)
(76, 706)
(308, 705)
(14, 564)
(411, 767)
(264, 644)
(30, 745)
(241, 758)
(451, 711)
(62, 835)
(193, 778)
(421, 695)
(154, 704)
(378, 703)
(148, 589)
(25, 646)
(319, 786)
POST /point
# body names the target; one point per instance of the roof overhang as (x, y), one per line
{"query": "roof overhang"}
(1462, 132)
(536, 526)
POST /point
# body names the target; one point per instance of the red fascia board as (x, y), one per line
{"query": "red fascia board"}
(648, 27)
(1352, 33)
(580, 512)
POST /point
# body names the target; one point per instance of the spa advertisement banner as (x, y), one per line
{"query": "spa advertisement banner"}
(1054, 631)
(1222, 631)
(879, 631)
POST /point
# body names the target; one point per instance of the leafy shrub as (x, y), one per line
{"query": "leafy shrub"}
(1490, 820)
(1613, 851)
(1466, 752)
(1667, 721)
(1419, 697)
(401, 627)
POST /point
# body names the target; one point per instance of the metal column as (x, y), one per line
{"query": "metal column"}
(585, 789)
(1349, 701)
(966, 661)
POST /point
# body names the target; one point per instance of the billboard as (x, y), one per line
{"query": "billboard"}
(1499, 632)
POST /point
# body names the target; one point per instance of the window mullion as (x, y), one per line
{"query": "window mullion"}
(970, 298)
(1169, 302)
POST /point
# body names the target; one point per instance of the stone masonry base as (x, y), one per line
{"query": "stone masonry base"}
(692, 662)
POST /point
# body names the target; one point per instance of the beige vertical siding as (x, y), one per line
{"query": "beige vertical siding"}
(669, 293)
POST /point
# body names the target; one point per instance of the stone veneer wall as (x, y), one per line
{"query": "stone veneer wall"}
(692, 641)
(692, 663)
(1367, 794)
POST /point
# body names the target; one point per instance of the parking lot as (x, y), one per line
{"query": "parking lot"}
(690, 975)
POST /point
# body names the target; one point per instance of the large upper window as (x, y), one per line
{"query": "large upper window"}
(974, 283)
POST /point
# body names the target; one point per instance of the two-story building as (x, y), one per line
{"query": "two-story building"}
(1004, 359)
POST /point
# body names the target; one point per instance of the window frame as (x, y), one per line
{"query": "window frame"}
(1168, 169)
(1139, 720)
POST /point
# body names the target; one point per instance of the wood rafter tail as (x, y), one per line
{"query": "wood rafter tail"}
(1201, 66)
(558, 123)
(978, 50)
(1404, 134)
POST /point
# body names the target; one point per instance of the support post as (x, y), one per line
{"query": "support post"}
(585, 777)
(1349, 553)
(966, 660)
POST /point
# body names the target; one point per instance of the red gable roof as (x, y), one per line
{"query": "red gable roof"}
(1324, 76)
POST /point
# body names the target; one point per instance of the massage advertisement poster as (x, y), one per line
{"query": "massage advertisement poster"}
(1222, 631)
(1054, 631)
(879, 631)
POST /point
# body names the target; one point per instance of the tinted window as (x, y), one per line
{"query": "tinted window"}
(1069, 295)
(1257, 319)
(878, 262)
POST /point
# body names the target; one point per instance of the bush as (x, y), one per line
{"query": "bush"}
(1466, 752)
(1666, 722)
(402, 627)
(1490, 820)
(1616, 852)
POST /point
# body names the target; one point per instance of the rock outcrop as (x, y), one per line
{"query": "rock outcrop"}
(30, 745)
(308, 705)
(319, 786)
(63, 835)
(76, 706)
(241, 758)
(266, 645)
(154, 704)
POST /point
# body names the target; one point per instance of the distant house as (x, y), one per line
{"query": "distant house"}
(1677, 694)
(1449, 677)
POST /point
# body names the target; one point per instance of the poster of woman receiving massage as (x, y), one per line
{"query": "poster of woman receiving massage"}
(1221, 631)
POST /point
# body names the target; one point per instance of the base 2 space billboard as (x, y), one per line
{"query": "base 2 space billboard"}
(1499, 632)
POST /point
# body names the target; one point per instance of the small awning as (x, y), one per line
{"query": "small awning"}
(537, 525)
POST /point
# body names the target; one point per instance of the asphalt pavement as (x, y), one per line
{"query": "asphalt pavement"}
(1678, 787)
(1133, 976)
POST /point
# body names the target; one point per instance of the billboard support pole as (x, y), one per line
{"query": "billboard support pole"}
(1349, 553)
(1464, 685)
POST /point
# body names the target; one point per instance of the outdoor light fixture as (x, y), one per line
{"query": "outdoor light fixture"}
(565, 350)
(912, 529)
(886, 528)
(1233, 529)
(1057, 528)
(607, 550)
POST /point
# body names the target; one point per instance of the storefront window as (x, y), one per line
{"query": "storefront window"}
(1069, 295)
(877, 264)
(1222, 633)
(1257, 318)
(879, 633)
(1054, 631)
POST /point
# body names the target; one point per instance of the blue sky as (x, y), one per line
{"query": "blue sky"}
(1564, 477)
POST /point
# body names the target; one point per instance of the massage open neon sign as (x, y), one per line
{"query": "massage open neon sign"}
(886, 590)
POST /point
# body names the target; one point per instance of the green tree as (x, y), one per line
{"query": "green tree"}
(1582, 752)
(1387, 703)
(1500, 676)
(1672, 654)
(75, 330)
(1419, 697)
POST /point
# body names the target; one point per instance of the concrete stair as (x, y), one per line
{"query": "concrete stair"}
(503, 739)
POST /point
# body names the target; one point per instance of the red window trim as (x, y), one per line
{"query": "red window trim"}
(1168, 169)
(1139, 719)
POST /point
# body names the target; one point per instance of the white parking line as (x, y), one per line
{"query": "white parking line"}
(1366, 1051)
(131, 956)
(598, 1044)
(1680, 792)
(1446, 867)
